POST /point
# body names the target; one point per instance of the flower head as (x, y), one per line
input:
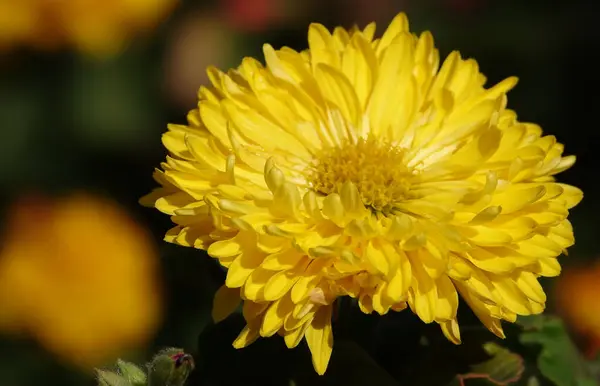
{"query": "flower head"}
(78, 275)
(96, 27)
(362, 167)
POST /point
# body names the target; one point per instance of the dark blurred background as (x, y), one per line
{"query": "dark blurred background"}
(74, 122)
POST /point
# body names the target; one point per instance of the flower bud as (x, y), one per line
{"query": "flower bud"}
(170, 367)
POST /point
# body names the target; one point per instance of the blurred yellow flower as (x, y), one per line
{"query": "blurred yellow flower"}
(361, 167)
(576, 295)
(95, 27)
(80, 276)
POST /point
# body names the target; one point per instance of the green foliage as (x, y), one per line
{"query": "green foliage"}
(503, 368)
(559, 360)
(107, 378)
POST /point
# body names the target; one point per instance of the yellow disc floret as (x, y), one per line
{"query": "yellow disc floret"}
(376, 168)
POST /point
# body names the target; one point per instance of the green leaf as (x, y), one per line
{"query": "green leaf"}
(503, 368)
(559, 360)
(108, 378)
(132, 373)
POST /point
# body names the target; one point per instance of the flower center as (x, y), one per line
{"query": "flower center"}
(376, 168)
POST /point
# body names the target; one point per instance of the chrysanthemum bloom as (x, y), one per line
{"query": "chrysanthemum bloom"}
(80, 276)
(363, 168)
(95, 27)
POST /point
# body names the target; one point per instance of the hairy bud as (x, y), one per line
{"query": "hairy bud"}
(170, 367)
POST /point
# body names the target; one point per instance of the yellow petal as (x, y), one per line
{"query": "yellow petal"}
(319, 337)
(283, 260)
(252, 310)
(275, 315)
(511, 295)
(548, 266)
(381, 303)
(242, 267)
(279, 284)
(377, 258)
(482, 311)
(398, 24)
(572, 194)
(529, 285)
(435, 266)
(424, 296)
(333, 208)
(225, 302)
(350, 198)
(230, 247)
(512, 201)
(337, 89)
(170, 203)
(486, 236)
(447, 299)
(254, 286)
(286, 201)
(294, 337)
(359, 64)
(451, 331)
(248, 335)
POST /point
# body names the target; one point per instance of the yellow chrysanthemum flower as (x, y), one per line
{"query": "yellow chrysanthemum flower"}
(96, 27)
(361, 168)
